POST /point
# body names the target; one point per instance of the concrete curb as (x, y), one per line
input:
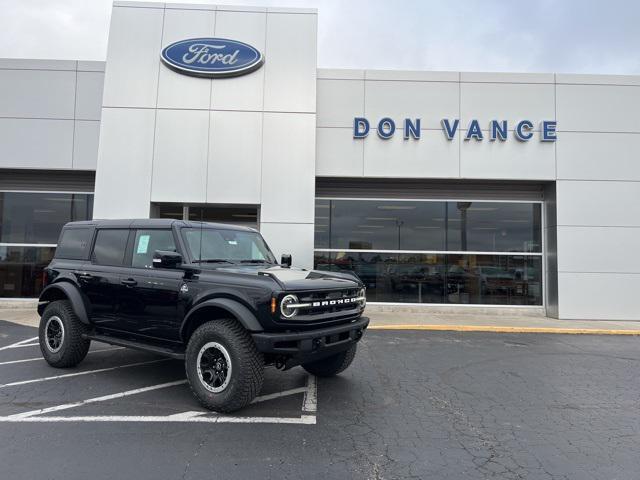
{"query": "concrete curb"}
(504, 329)
(19, 304)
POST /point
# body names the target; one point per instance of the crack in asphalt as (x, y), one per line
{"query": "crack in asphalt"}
(197, 451)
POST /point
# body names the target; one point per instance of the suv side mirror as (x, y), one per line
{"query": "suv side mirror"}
(166, 259)
(285, 260)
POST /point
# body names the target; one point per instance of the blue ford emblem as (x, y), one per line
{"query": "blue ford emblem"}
(212, 57)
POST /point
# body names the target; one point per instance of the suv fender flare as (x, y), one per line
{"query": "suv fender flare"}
(73, 295)
(241, 313)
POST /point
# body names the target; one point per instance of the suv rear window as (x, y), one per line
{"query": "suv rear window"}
(110, 247)
(74, 243)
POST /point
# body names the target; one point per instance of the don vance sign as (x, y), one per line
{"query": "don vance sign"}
(495, 130)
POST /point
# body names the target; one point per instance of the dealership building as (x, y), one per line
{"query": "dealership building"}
(451, 189)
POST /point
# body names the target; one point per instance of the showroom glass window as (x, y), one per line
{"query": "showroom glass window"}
(30, 223)
(242, 215)
(435, 251)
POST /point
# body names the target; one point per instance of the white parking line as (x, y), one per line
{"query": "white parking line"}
(21, 343)
(104, 398)
(310, 400)
(286, 393)
(302, 420)
(184, 416)
(11, 362)
(86, 372)
(22, 361)
(308, 416)
(187, 415)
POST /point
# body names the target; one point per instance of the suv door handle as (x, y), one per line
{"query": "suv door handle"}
(84, 275)
(129, 282)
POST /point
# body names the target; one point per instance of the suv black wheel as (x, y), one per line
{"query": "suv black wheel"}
(60, 335)
(224, 368)
(333, 365)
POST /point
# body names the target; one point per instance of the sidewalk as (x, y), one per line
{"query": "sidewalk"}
(441, 319)
(492, 320)
(23, 316)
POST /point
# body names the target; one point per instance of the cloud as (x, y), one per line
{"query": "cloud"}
(66, 29)
(468, 35)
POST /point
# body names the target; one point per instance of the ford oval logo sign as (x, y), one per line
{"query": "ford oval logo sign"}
(212, 57)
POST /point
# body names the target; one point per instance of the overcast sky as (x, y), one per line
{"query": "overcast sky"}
(470, 35)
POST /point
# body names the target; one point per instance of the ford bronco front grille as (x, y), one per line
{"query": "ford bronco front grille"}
(335, 301)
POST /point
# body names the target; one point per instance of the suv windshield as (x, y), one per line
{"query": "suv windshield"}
(222, 246)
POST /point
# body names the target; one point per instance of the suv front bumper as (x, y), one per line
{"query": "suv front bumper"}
(308, 346)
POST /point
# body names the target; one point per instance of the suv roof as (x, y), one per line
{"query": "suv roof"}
(156, 223)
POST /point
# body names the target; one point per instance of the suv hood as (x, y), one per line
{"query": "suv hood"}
(298, 279)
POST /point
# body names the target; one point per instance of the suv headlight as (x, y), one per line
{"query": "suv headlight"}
(363, 294)
(285, 309)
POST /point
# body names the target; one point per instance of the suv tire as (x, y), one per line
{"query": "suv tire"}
(333, 365)
(60, 335)
(223, 366)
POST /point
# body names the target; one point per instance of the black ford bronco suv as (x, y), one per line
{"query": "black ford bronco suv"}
(210, 294)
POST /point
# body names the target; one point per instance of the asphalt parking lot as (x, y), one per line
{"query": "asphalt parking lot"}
(413, 405)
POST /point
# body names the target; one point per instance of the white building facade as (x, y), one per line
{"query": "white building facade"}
(438, 188)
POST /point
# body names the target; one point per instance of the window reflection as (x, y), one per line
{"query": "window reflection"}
(34, 218)
(323, 223)
(494, 227)
(381, 225)
(244, 215)
(21, 270)
(362, 225)
(372, 268)
(39, 217)
(442, 278)
(236, 215)
(168, 210)
(494, 279)
(428, 225)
